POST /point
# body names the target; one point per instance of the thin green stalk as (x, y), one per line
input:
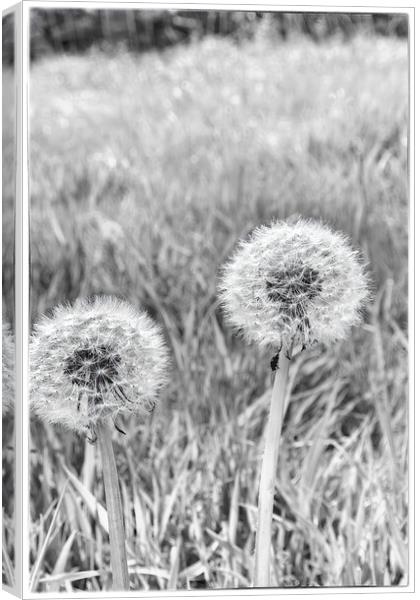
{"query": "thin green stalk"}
(268, 475)
(120, 578)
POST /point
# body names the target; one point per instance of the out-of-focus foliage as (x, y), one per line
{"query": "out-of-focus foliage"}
(8, 177)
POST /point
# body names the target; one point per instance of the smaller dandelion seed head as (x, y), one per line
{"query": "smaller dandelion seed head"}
(294, 284)
(8, 370)
(96, 358)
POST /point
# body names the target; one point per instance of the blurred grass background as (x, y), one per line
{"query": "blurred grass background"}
(145, 170)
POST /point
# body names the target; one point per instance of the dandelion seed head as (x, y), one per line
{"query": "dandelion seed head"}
(294, 284)
(8, 369)
(97, 358)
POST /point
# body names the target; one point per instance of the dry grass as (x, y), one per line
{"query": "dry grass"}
(145, 171)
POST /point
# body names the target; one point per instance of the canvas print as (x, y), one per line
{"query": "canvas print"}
(8, 298)
(218, 352)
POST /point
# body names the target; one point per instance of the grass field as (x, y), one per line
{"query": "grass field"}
(144, 173)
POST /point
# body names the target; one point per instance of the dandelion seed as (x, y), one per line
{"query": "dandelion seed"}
(89, 362)
(288, 287)
(8, 370)
(294, 285)
(95, 359)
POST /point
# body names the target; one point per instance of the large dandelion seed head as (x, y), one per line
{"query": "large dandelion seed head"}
(94, 359)
(293, 285)
(8, 369)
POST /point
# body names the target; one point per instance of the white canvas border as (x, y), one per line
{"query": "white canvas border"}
(22, 294)
(21, 288)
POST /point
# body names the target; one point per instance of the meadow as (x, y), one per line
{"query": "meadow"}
(145, 171)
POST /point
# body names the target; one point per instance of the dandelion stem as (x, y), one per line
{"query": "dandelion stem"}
(120, 578)
(268, 474)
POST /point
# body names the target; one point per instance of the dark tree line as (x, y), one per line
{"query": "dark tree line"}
(75, 30)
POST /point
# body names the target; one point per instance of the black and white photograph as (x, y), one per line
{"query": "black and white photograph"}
(218, 346)
(8, 298)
